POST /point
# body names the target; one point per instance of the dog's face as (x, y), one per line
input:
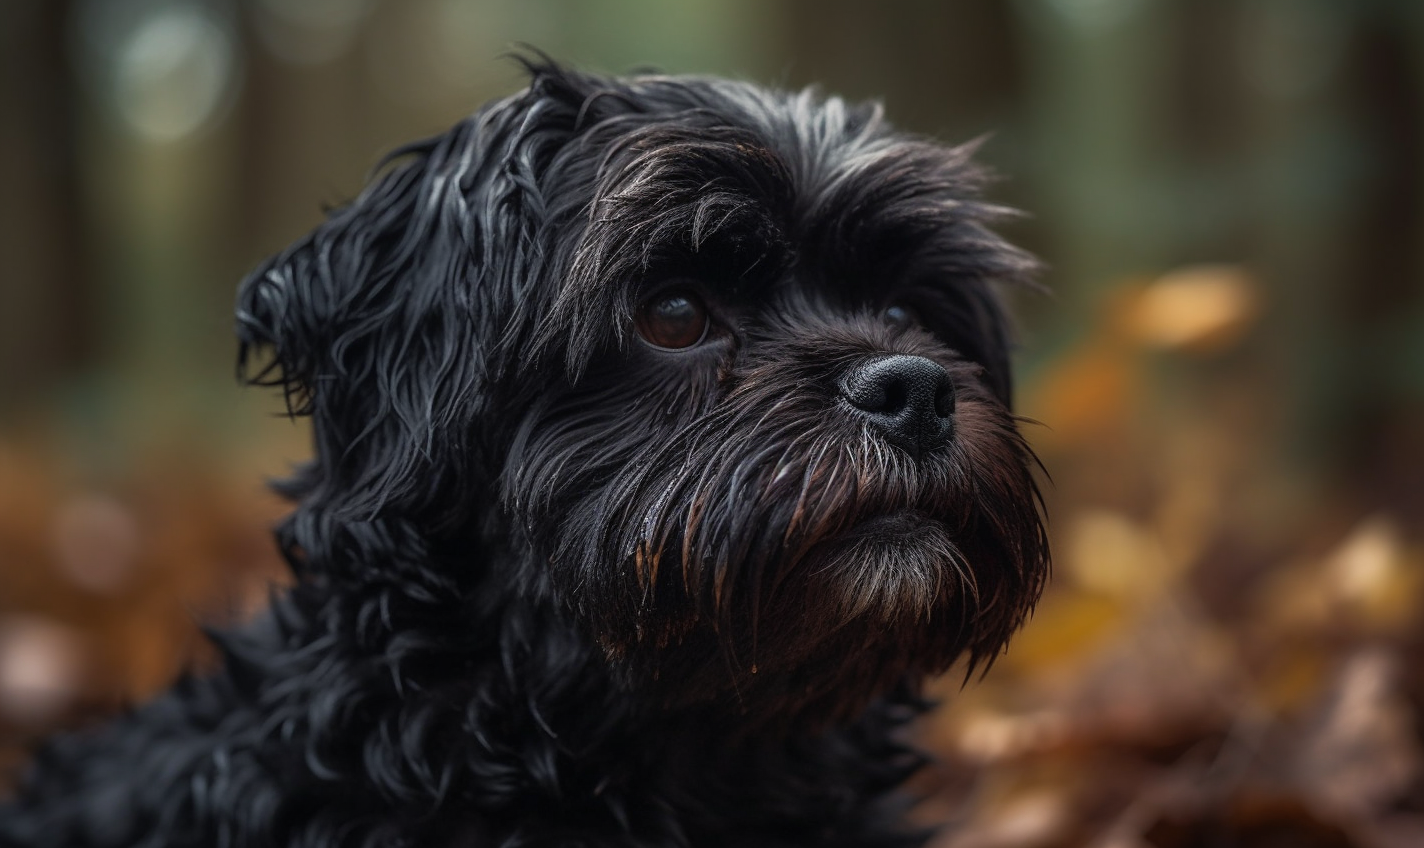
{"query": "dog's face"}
(715, 370)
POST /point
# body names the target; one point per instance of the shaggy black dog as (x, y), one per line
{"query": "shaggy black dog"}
(663, 448)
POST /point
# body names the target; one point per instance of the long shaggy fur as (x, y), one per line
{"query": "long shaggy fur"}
(554, 585)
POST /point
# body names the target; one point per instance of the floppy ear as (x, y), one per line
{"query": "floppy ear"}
(379, 324)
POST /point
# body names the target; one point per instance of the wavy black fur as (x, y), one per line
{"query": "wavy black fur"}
(556, 586)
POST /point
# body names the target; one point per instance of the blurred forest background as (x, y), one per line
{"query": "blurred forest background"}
(1229, 369)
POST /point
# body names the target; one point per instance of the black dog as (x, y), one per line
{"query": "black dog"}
(662, 450)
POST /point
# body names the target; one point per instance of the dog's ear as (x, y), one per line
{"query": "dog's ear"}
(378, 325)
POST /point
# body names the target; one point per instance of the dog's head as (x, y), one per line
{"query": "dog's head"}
(719, 371)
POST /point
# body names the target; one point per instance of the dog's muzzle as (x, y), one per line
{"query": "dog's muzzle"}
(909, 400)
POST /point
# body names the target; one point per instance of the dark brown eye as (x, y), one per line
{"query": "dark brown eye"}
(672, 319)
(901, 316)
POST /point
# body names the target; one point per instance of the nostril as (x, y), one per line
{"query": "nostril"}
(896, 397)
(944, 397)
(865, 394)
(874, 389)
(872, 394)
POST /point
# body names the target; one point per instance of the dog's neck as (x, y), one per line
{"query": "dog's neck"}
(488, 658)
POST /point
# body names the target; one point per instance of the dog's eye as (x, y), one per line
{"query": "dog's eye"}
(900, 315)
(673, 319)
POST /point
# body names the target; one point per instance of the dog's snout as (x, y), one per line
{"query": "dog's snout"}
(909, 399)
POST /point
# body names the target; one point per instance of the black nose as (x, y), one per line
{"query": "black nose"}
(909, 399)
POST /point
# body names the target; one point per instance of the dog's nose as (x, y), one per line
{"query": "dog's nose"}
(909, 399)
